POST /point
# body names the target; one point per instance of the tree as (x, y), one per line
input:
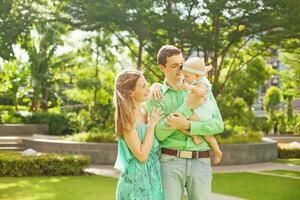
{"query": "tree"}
(218, 30)
(14, 75)
(272, 100)
(16, 17)
(248, 82)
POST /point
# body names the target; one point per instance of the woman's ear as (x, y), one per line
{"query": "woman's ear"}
(131, 94)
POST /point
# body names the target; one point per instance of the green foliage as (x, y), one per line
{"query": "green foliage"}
(231, 34)
(14, 164)
(260, 124)
(238, 134)
(234, 111)
(285, 151)
(272, 99)
(98, 137)
(59, 123)
(8, 117)
(246, 83)
(16, 17)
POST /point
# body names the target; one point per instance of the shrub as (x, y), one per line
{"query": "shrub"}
(238, 134)
(92, 137)
(285, 151)
(260, 124)
(7, 117)
(59, 123)
(14, 164)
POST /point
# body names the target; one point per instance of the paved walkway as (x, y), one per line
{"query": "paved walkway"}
(256, 167)
(108, 170)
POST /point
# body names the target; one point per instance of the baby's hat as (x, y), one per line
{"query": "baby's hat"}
(206, 69)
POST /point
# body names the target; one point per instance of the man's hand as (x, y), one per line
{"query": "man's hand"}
(177, 121)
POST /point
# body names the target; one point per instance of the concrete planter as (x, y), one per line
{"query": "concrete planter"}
(284, 138)
(100, 153)
(105, 153)
(23, 129)
(238, 154)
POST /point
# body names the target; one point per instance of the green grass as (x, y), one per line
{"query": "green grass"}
(245, 185)
(284, 172)
(294, 161)
(256, 186)
(58, 188)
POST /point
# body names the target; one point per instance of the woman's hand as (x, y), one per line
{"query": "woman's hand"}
(155, 91)
(177, 121)
(155, 116)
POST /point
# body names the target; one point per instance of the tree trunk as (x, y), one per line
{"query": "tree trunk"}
(96, 86)
(170, 13)
(139, 58)
(45, 95)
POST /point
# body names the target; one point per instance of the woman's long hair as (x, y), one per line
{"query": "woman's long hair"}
(125, 83)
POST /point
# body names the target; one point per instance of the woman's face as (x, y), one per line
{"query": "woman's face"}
(141, 91)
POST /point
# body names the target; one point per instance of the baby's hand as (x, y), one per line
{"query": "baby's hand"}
(200, 90)
(155, 91)
(188, 86)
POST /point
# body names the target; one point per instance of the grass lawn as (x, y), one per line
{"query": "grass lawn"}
(245, 185)
(256, 186)
(294, 161)
(284, 172)
(57, 188)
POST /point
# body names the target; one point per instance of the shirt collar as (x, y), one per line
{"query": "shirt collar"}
(165, 87)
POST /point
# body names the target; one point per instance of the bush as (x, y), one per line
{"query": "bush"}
(238, 134)
(7, 117)
(14, 164)
(285, 151)
(59, 123)
(261, 124)
(92, 137)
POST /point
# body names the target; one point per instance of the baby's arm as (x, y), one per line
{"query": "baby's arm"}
(197, 94)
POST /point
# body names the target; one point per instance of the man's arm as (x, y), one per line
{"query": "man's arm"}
(162, 130)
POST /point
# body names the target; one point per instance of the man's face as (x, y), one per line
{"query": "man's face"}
(171, 69)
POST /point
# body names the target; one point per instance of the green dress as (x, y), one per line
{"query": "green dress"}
(138, 181)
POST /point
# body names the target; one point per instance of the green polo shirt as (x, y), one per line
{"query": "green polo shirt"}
(174, 100)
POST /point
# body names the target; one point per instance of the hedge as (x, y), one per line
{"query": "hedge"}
(14, 164)
(284, 151)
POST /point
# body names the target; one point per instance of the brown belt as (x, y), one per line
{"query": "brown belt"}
(186, 154)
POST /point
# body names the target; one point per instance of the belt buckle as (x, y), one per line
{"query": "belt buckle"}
(185, 154)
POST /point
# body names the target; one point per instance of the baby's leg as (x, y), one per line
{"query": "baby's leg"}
(211, 140)
(195, 138)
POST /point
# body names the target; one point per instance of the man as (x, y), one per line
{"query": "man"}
(183, 163)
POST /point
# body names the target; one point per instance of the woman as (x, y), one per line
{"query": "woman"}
(137, 158)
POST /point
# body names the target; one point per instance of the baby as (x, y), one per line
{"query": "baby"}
(195, 76)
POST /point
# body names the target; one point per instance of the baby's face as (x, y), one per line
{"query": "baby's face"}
(189, 77)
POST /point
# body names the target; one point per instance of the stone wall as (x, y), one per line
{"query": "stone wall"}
(23, 129)
(105, 153)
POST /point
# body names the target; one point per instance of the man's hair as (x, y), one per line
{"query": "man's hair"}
(166, 51)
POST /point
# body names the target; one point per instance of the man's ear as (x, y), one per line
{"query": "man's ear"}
(162, 67)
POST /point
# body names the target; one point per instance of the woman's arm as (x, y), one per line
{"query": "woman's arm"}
(141, 150)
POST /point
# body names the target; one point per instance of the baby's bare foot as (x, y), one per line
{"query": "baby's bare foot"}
(218, 157)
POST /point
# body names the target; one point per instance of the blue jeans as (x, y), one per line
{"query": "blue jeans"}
(193, 174)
